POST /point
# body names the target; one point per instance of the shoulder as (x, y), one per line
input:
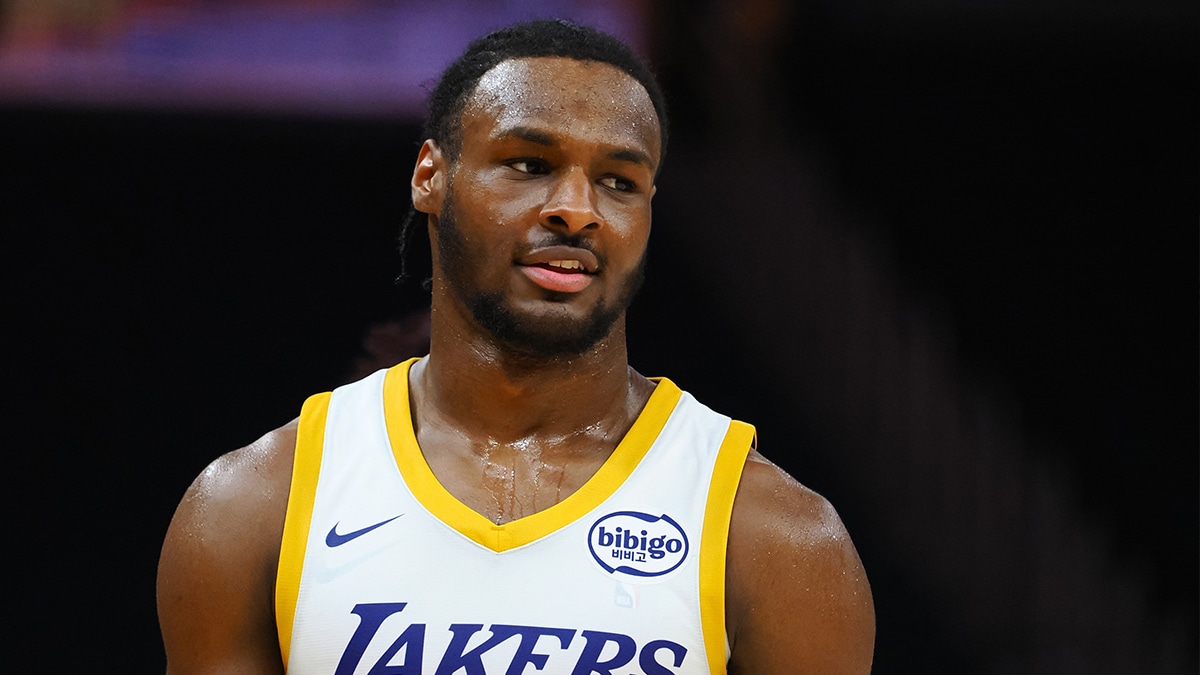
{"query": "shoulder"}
(798, 600)
(241, 490)
(770, 503)
(217, 568)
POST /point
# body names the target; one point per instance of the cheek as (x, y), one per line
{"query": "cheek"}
(623, 257)
(502, 209)
(632, 229)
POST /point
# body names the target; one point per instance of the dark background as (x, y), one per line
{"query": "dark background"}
(945, 261)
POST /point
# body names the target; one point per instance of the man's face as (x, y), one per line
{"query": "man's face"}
(541, 233)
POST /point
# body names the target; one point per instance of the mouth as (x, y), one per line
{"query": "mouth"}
(567, 266)
(559, 258)
(557, 279)
(560, 269)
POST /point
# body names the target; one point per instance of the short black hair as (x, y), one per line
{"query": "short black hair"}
(530, 39)
(547, 37)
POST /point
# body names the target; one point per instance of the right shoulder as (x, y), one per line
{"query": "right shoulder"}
(217, 570)
(248, 481)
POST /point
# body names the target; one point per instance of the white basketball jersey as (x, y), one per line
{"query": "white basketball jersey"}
(382, 571)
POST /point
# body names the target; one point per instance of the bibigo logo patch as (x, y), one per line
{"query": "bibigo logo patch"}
(638, 545)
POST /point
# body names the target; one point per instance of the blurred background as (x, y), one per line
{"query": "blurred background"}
(943, 255)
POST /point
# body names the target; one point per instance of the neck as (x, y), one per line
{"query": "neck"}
(490, 394)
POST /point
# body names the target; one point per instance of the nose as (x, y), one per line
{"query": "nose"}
(571, 204)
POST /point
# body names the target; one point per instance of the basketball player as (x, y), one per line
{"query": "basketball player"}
(519, 500)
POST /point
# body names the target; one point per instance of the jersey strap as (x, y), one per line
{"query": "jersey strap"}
(727, 473)
(306, 467)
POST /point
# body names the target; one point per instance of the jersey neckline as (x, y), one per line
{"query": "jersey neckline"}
(432, 495)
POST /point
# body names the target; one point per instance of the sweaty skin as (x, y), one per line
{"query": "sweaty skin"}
(556, 172)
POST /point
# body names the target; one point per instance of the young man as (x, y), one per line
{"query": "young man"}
(520, 499)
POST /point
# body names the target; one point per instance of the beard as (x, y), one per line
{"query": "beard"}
(550, 335)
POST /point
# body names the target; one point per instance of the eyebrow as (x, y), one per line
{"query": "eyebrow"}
(539, 137)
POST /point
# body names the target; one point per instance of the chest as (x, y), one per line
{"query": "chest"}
(398, 574)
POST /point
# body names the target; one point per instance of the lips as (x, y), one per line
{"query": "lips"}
(562, 269)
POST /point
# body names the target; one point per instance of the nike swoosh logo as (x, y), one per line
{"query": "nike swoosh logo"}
(334, 539)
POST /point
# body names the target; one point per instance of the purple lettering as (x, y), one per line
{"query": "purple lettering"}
(457, 657)
(651, 666)
(656, 547)
(605, 539)
(412, 640)
(589, 660)
(596, 658)
(529, 637)
(371, 616)
(629, 540)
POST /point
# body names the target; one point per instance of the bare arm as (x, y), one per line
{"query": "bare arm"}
(797, 598)
(216, 576)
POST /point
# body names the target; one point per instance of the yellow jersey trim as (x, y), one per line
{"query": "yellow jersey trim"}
(306, 467)
(499, 538)
(714, 540)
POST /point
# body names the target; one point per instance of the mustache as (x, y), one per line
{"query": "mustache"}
(559, 239)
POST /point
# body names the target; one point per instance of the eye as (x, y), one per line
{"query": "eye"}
(534, 167)
(617, 183)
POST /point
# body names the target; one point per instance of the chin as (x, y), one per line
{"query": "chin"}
(546, 335)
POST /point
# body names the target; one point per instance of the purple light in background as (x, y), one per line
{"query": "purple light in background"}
(358, 58)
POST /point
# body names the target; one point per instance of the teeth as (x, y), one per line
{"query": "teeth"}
(566, 264)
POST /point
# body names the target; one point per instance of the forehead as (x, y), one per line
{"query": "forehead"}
(586, 99)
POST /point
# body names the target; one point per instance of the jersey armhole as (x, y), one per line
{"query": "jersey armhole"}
(727, 473)
(306, 468)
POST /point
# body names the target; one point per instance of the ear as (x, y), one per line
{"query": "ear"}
(429, 179)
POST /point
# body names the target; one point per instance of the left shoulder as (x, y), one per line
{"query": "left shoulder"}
(797, 597)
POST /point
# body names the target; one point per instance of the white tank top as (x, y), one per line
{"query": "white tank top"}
(382, 571)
